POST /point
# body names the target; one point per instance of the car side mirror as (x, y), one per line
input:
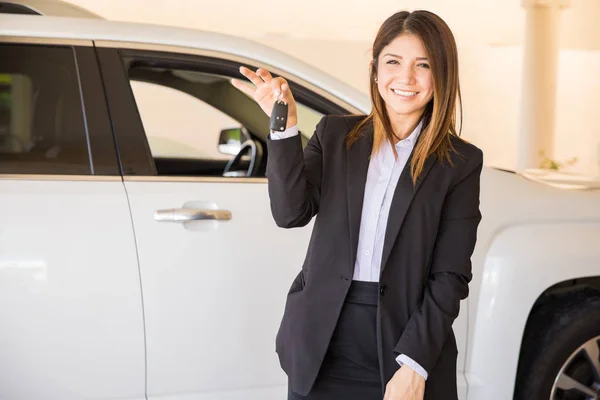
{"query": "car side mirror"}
(231, 139)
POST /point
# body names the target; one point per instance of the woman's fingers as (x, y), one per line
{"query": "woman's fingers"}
(279, 86)
(281, 90)
(267, 90)
(251, 75)
(287, 93)
(264, 75)
(243, 86)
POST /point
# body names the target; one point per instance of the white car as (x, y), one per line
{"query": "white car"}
(139, 258)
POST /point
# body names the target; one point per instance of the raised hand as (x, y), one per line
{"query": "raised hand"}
(267, 90)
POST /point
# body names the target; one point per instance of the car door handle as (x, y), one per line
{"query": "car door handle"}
(190, 214)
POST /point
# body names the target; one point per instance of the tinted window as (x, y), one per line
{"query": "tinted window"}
(9, 8)
(42, 128)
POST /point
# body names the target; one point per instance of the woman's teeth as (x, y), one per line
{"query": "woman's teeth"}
(404, 93)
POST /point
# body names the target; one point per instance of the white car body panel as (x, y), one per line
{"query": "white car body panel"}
(517, 270)
(541, 237)
(214, 291)
(70, 301)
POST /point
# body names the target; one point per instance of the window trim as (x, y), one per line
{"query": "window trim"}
(195, 179)
(128, 130)
(46, 41)
(50, 177)
(101, 144)
(128, 127)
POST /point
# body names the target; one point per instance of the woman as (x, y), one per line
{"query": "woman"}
(396, 199)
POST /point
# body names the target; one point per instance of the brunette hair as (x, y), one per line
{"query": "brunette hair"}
(439, 116)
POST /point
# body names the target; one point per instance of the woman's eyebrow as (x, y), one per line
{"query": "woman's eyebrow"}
(400, 57)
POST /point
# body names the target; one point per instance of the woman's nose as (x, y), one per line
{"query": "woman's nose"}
(406, 75)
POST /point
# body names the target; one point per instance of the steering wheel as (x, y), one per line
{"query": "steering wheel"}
(256, 155)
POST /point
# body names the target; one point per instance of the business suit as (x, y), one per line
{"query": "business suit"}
(425, 268)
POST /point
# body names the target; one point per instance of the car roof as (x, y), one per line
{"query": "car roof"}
(32, 26)
(51, 8)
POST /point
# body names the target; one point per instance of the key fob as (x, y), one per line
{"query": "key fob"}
(279, 116)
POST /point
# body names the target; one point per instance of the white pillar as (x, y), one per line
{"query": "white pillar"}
(538, 92)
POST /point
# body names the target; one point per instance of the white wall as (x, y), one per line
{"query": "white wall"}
(336, 36)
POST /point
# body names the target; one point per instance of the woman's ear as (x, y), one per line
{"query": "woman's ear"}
(371, 71)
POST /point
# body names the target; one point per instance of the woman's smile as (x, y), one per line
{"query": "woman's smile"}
(407, 94)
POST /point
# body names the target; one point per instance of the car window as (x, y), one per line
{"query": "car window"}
(178, 125)
(42, 128)
(184, 112)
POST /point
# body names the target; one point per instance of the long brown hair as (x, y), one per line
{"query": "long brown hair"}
(439, 116)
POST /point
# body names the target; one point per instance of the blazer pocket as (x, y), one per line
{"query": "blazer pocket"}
(290, 316)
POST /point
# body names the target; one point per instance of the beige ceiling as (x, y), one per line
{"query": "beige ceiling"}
(494, 22)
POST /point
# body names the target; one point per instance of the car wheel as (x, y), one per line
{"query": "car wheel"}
(561, 360)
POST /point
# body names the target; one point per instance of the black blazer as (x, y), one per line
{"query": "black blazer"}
(426, 266)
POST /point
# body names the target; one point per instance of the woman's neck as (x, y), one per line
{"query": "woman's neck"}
(404, 125)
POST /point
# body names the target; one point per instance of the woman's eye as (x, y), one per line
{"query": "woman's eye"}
(424, 65)
(392, 62)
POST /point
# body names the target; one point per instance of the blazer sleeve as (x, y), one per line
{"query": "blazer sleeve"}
(448, 283)
(295, 178)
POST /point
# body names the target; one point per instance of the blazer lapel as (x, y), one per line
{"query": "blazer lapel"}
(357, 165)
(403, 196)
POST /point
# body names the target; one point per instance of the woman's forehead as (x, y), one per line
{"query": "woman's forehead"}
(405, 45)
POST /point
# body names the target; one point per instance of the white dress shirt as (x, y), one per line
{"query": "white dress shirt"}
(382, 178)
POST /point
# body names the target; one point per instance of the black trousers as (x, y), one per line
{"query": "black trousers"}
(350, 370)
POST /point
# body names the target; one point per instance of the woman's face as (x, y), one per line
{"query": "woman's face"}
(405, 81)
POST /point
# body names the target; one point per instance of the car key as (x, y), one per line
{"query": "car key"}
(279, 116)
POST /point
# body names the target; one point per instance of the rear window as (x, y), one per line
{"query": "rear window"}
(42, 128)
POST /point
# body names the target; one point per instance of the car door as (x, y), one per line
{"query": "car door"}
(70, 297)
(214, 289)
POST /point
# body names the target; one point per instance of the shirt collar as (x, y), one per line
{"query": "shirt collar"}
(411, 140)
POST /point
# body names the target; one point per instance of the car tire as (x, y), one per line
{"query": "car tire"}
(553, 345)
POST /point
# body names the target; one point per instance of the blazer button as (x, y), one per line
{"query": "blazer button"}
(383, 290)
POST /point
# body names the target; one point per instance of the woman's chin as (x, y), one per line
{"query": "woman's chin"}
(406, 110)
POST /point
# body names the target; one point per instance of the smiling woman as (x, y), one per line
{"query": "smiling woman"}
(408, 190)
(414, 76)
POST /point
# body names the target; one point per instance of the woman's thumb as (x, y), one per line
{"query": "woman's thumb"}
(286, 93)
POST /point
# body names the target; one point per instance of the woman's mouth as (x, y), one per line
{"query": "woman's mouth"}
(405, 93)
